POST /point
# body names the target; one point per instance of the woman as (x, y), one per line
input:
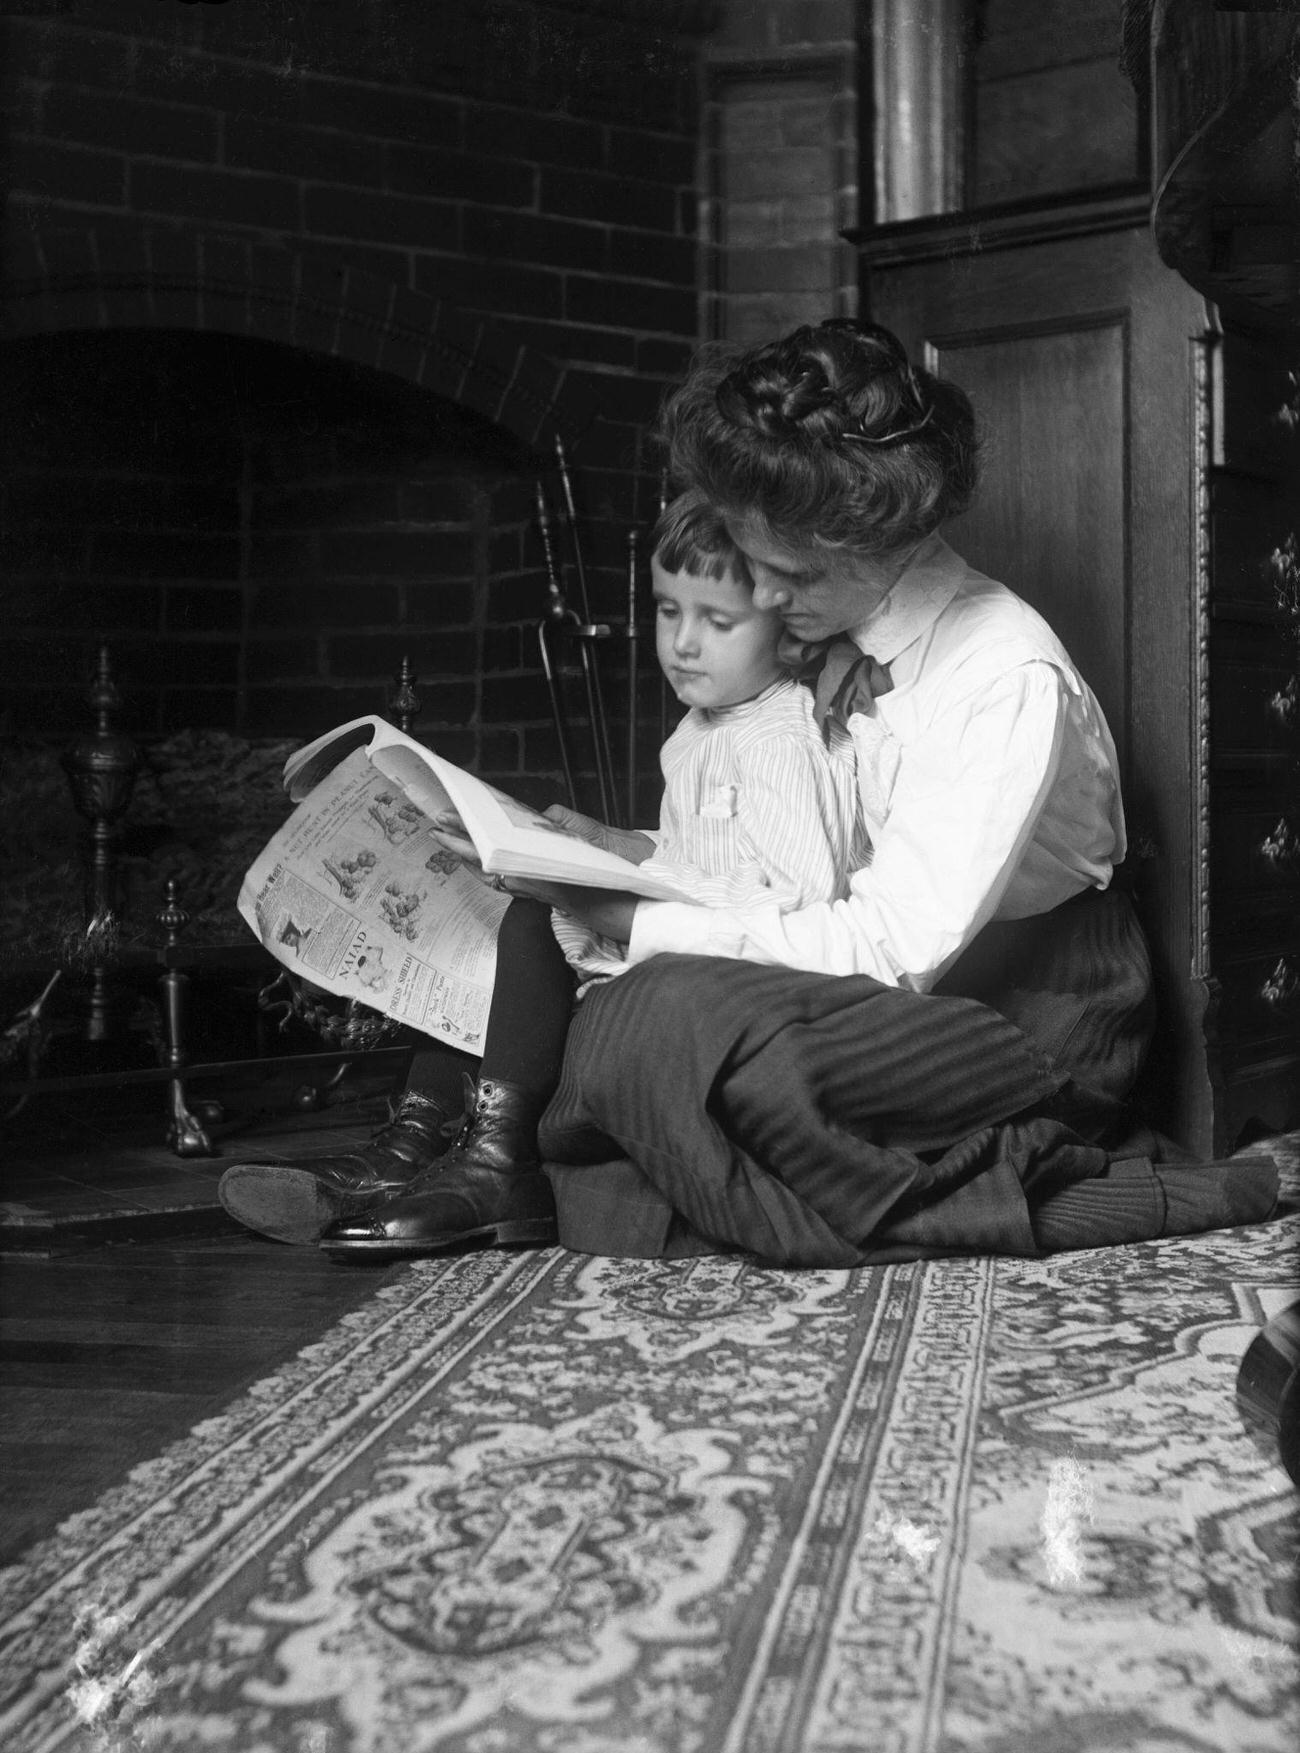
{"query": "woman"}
(962, 1088)
(939, 1061)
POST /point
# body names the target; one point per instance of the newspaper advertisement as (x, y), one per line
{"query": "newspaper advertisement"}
(355, 894)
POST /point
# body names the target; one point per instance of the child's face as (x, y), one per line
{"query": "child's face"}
(714, 646)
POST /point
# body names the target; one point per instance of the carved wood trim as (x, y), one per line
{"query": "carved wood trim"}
(691, 17)
(1204, 358)
(1070, 323)
(976, 232)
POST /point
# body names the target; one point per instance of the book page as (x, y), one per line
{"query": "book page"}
(511, 838)
(355, 894)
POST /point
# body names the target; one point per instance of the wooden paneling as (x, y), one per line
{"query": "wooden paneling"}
(1082, 120)
(1015, 38)
(1048, 74)
(1033, 387)
(1259, 1008)
(1254, 701)
(1252, 469)
(1139, 490)
(1259, 396)
(1077, 351)
(1255, 853)
(1251, 521)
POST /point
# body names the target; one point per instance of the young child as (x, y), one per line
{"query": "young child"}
(756, 800)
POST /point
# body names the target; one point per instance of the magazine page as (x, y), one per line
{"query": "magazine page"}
(355, 894)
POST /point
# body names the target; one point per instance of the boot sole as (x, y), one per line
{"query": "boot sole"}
(521, 1232)
(286, 1204)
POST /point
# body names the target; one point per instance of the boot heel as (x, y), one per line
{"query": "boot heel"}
(488, 1190)
(535, 1232)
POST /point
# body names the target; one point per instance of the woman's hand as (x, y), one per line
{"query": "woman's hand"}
(607, 911)
(449, 831)
(622, 842)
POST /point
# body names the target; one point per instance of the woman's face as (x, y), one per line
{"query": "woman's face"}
(813, 600)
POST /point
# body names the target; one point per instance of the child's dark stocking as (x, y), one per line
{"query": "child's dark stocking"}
(489, 1187)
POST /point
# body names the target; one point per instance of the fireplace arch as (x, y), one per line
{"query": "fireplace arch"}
(274, 597)
(94, 278)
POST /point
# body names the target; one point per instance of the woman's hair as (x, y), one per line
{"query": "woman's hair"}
(829, 437)
(690, 536)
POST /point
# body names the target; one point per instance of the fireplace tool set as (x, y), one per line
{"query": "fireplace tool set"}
(562, 622)
(101, 770)
(104, 1004)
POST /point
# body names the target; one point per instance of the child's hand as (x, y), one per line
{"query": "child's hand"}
(622, 842)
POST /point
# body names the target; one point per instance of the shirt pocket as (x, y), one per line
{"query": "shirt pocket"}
(710, 835)
(722, 804)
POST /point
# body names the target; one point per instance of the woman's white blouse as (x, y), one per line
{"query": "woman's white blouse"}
(987, 781)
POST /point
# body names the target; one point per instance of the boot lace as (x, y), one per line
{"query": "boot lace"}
(449, 1127)
(463, 1124)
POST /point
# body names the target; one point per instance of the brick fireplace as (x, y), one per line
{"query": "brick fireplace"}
(296, 306)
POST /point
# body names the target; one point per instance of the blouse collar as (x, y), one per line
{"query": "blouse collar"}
(913, 603)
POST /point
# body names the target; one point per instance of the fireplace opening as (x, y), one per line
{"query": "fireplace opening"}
(260, 534)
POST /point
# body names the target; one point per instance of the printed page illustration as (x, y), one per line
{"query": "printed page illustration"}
(355, 894)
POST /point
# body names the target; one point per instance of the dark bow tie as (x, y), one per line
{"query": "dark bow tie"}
(843, 680)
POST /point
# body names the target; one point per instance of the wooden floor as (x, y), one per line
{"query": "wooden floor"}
(109, 1354)
(131, 1306)
(93, 1167)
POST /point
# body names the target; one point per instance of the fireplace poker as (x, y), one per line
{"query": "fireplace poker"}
(586, 630)
(663, 680)
(556, 614)
(632, 668)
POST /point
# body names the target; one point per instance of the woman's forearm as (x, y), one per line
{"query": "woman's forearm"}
(609, 912)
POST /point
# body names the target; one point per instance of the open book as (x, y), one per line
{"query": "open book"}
(358, 896)
(510, 838)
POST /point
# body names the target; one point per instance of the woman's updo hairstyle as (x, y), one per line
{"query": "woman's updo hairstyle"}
(829, 436)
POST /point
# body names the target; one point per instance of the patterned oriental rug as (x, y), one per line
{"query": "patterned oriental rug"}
(548, 1504)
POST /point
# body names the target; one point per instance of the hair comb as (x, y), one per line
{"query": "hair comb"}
(858, 436)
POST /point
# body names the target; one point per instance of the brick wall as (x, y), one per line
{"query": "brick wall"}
(781, 165)
(527, 166)
(262, 534)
